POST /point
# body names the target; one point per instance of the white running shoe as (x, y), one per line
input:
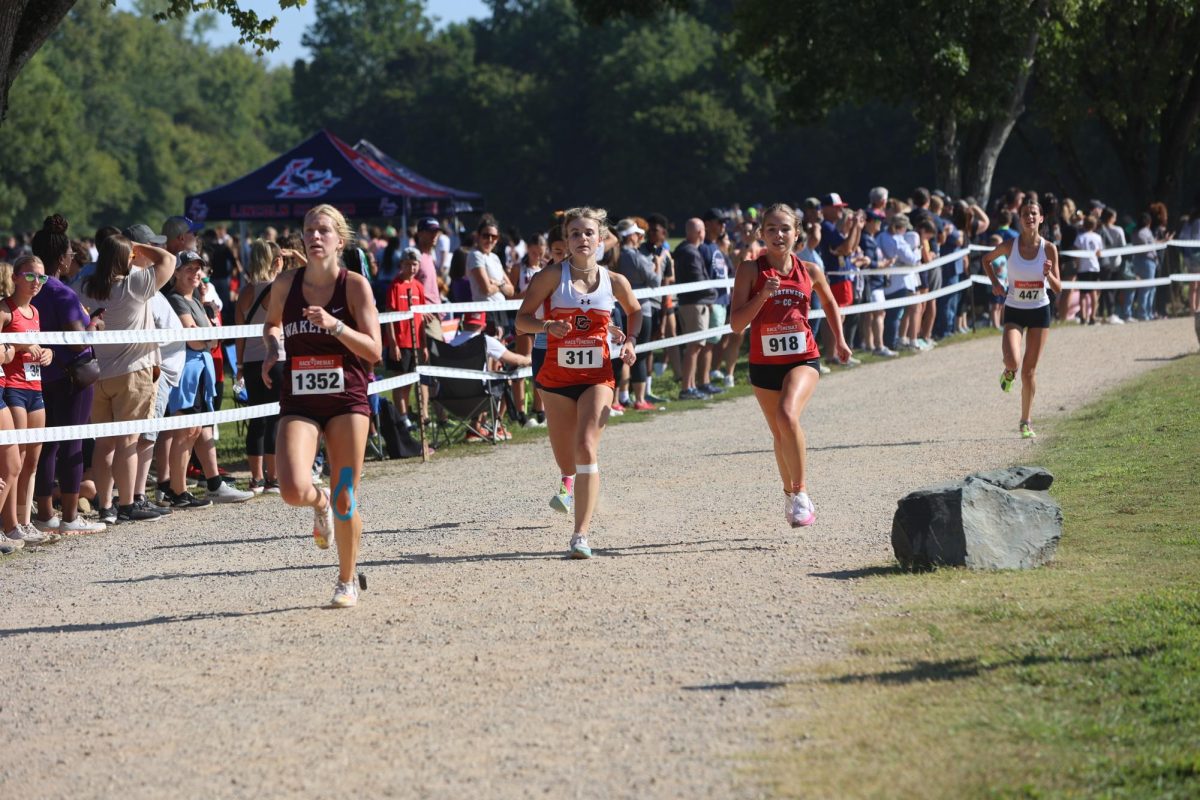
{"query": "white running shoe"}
(803, 513)
(884, 352)
(323, 523)
(729, 381)
(579, 547)
(716, 375)
(9, 546)
(51, 524)
(1115, 320)
(228, 494)
(345, 595)
(28, 534)
(80, 526)
(824, 370)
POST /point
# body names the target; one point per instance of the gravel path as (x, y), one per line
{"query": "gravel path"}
(193, 660)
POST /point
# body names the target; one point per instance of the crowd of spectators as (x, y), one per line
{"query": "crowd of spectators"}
(189, 277)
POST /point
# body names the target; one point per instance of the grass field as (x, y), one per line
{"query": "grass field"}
(1080, 679)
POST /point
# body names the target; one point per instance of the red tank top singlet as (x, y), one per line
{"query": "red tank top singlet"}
(322, 376)
(23, 372)
(780, 333)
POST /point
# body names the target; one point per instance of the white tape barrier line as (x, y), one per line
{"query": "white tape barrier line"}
(101, 430)
(160, 336)
(37, 435)
(154, 335)
(937, 262)
(164, 336)
(662, 344)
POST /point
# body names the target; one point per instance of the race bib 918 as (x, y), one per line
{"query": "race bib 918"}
(580, 357)
(317, 375)
(785, 344)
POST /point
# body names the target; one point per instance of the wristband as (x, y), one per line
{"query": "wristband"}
(339, 329)
(546, 326)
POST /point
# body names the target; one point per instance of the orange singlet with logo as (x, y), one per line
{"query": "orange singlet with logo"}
(582, 356)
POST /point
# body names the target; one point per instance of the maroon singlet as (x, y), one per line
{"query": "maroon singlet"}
(780, 333)
(322, 377)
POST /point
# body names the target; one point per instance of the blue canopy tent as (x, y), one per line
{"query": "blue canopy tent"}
(325, 169)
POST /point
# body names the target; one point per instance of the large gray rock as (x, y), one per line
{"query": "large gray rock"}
(979, 523)
(1017, 478)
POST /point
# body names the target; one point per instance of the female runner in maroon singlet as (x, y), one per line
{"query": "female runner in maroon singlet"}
(772, 294)
(331, 329)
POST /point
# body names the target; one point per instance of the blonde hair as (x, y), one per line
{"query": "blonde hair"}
(6, 279)
(262, 259)
(339, 222)
(23, 263)
(596, 215)
(779, 208)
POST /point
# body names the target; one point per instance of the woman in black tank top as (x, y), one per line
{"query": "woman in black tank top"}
(328, 316)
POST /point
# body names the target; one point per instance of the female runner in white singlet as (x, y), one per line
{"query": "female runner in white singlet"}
(572, 303)
(1032, 269)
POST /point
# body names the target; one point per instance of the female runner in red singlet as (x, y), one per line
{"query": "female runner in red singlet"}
(772, 294)
(572, 303)
(328, 320)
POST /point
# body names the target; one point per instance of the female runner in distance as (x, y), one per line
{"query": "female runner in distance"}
(1032, 269)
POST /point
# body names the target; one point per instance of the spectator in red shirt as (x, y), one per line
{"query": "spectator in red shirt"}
(403, 339)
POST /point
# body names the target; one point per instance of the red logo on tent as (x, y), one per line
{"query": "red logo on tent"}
(298, 181)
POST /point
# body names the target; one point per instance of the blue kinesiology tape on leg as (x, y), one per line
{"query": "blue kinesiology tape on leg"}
(345, 484)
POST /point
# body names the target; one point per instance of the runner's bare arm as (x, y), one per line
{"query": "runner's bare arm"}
(743, 307)
(623, 291)
(541, 287)
(1002, 249)
(1050, 269)
(273, 324)
(833, 316)
(365, 340)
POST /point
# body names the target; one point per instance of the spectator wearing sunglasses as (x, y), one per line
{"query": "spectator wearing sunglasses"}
(489, 281)
(23, 396)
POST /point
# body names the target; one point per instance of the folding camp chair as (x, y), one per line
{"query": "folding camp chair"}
(462, 399)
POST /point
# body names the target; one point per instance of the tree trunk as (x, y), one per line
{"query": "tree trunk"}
(945, 155)
(25, 25)
(999, 128)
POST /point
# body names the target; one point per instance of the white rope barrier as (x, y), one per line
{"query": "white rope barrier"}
(101, 430)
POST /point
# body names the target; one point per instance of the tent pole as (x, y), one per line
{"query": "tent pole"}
(404, 223)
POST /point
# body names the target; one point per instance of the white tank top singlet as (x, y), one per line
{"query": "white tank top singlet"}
(1026, 281)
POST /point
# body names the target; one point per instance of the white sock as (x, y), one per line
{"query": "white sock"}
(649, 383)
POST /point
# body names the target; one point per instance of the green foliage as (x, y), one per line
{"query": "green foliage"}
(118, 117)
(253, 30)
(542, 110)
(1135, 68)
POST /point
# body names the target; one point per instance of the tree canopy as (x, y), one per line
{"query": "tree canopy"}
(663, 105)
